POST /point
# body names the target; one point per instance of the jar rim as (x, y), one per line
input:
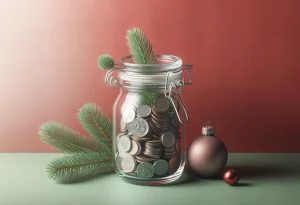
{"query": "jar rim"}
(170, 62)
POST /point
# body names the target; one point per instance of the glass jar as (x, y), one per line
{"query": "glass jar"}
(149, 119)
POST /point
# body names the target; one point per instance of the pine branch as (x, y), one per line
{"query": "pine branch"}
(97, 124)
(65, 139)
(139, 46)
(106, 62)
(73, 167)
(147, 98)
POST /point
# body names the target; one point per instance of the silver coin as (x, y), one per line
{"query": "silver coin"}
(123, 125)
(144, 111)
(124, 143)
(128, 164)
(161, 104)
(161, 167)
(168, 139)
(139, 127)
(118, 161)
(121, 150)
(135, 148)
(128, 114)
(145, 170)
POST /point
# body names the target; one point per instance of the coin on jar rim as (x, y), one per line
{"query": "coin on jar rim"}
(161, 104)
(161, 167)
(145, 170)
(128, 114)
(168, 139)
(124, 142)
(139, 127)
(128, 163)
(144, 111)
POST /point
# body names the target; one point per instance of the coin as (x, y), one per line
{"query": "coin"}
(124, 143)
(145, 170)
(128, 164)
(173, 165)
(168, 139)
(139, 127)
(118, 161)
(141, 139)
(144, 111)
(123, 125)
(135, 148)
(143, 159)
(161, 167)
(153, 149)
(128, 114)
(161, 104)
(169, 152)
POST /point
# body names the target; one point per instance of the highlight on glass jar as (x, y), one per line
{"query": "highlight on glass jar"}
(149, 119)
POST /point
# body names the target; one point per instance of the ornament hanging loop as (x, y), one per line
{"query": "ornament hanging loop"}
(171, 90)
(207, 123)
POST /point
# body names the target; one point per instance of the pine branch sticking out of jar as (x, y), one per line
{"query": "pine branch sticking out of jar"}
(139, 46)
(142, 53)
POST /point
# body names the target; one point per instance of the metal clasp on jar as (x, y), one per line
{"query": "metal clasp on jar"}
(172, 87)
(111, 80)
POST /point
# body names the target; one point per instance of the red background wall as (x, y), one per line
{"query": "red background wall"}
(245, 56)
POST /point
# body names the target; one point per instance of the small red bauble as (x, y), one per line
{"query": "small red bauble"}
(231, 177)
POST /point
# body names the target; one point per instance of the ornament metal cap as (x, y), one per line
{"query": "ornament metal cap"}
(208, 130)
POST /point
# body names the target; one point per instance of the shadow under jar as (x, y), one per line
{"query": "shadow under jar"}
(149, 119)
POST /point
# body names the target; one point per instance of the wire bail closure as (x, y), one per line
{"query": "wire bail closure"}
(172, 87)
(111, 80)
(169, 90)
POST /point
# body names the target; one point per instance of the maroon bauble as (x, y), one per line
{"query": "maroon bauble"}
(207, 154)
(231, 177)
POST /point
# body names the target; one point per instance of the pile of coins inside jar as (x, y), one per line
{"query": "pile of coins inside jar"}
(148, 144)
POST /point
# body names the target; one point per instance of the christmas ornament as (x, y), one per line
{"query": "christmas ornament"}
(231, 177)
(207, 154)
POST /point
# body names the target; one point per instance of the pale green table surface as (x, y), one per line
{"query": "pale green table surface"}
(265, 179)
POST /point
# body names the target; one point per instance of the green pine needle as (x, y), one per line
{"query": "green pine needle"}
(139, 46)
(74, 167)
(64, 138)
(97, 124)
(147, 98)
(106, 62)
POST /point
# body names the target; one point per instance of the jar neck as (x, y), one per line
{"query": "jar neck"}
(150, 76)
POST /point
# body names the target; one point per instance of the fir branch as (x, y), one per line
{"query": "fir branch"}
(97, 124)
(139, 46)
(106, 62)
(147, 98)
(65, 139)
(73, 167)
